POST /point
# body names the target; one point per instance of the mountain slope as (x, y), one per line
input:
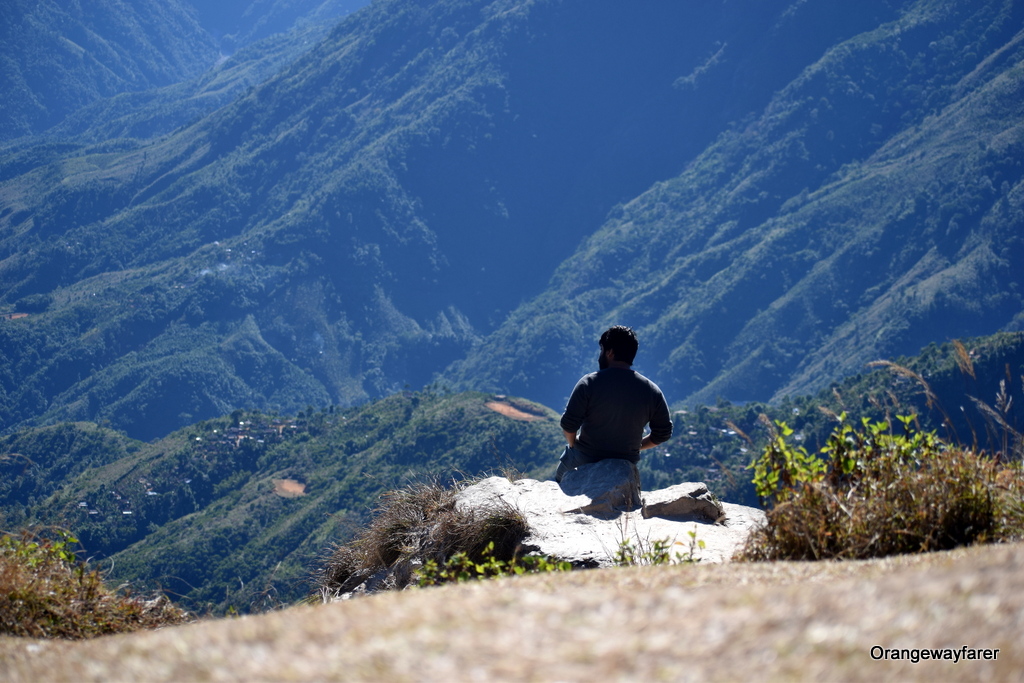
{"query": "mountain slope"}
(365, 216)
(233, 512)
(162, 111)
(752, 189)
(60, 56)
(237, 23)
(875, 205)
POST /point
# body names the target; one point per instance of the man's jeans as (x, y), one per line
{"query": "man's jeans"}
(570, 460)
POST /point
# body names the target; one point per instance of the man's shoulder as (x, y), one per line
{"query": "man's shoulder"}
(648, 380)
(649, 383)
(587, 378)
(612, 377)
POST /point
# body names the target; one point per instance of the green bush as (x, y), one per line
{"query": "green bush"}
(460, 567)
(46, 593)
(876, 493)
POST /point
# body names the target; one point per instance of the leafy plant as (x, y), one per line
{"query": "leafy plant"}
(783, 468)
(460, 567)
(658, 552)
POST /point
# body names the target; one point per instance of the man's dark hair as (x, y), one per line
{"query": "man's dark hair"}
(622, 341)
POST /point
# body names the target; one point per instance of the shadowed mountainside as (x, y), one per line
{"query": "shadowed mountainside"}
(874, 206)
(59, 56)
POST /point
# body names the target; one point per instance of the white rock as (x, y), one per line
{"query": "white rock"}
(561, 527)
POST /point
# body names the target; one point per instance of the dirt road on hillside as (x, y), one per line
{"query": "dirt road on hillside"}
(780, 621)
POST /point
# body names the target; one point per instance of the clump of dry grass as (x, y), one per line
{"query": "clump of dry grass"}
(46, 593)
(879, 493)
(414, 525)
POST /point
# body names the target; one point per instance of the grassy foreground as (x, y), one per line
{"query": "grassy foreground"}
(738, 621)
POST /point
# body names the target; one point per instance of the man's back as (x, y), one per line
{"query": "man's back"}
(610, 408)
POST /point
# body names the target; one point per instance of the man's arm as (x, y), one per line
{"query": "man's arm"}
(575, 411)
(661, 424)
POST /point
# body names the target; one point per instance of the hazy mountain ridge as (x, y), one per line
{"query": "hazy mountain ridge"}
(236, 23)
(372, 213)
(140, 68)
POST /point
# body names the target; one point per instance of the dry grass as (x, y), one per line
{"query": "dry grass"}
(776, 621)
(411, 526)
(46, 593)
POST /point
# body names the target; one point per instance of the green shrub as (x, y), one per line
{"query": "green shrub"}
(460, 567)
(46, 593)
(875, 493)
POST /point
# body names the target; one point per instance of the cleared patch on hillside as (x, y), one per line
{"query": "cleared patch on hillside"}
(508, 410)
(289, 488)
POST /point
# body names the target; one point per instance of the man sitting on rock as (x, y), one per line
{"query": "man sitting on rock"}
(608, 409)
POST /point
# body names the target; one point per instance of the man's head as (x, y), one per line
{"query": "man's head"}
(621, 341)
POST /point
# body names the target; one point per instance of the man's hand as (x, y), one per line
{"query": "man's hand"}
(647, 443)
(571, 438)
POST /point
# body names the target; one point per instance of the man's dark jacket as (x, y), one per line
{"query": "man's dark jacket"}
(612, 406)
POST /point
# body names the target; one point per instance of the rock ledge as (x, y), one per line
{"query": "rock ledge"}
(597, 507)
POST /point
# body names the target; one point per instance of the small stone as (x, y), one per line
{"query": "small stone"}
(683, 500)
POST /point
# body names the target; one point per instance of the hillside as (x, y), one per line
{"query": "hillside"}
(475, 188)
(233, 512)
(161, 111)
(772, 621)
(57, 56)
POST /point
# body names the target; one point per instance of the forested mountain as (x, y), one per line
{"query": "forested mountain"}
(874, 205)
(59, 56)
(771, 195)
